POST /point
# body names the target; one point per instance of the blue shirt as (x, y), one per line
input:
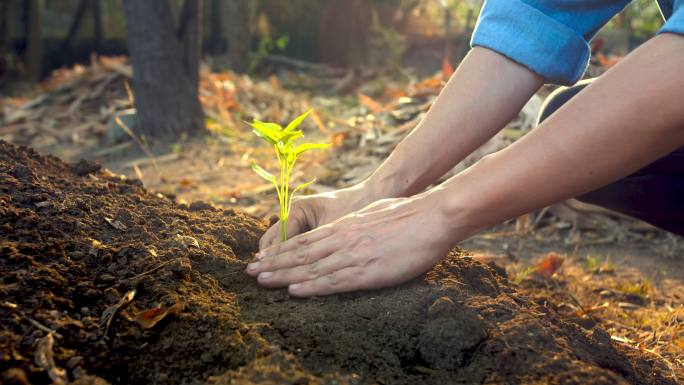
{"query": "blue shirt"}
(551, 37)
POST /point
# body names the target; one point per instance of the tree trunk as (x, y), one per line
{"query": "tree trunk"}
(75, 23)
(240, 14)
(34, 39)
(97, 25)
(217, 42)
(4, 40)
(166, 102)
(343, 32)
(191, 36)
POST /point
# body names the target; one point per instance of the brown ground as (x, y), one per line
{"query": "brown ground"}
(72, 246)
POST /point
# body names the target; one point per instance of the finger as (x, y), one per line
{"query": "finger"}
(303, 255)
(295, 242)
(297, 224)
(341, 281)
(324, 266)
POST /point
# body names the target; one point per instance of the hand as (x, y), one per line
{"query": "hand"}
(385, 244)
(313, 211)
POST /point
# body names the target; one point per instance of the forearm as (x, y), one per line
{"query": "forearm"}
(626, 119)
(484, 94)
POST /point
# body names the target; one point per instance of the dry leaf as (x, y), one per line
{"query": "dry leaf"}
(187, 183)
(447, 68)
(187, 241)
(44, 358)
(115, 224)
(369, 103)
(549, 265)
(148, 318)
(339, 138)
(109, 313)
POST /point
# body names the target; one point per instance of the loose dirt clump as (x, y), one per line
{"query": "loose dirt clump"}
(104, 282)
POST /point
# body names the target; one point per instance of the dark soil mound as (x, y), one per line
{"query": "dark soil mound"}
(78, 250)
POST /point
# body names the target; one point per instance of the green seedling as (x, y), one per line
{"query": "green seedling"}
(283, 142)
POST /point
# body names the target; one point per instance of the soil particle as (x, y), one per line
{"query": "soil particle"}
(63, 263)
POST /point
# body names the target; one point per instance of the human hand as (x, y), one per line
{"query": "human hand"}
(313, 211)
(385, 244)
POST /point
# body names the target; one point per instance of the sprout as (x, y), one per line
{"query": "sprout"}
(287, 152)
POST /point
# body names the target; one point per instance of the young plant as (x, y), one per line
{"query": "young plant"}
(283, 142)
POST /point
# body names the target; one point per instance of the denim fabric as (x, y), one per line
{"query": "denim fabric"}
(551, 37)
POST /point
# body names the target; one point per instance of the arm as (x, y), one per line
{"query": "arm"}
(581, 147)
(485, 93)
(460, 121)
(547, 38)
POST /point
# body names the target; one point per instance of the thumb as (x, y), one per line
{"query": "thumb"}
(296, 224)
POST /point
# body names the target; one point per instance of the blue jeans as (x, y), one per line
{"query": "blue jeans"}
(654, 193)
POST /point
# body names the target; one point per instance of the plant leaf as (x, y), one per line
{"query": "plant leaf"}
(297, 121)
(309, 146)
(303, 186)
(270, 132)
(290, 137)
(263, 173)
(300, 187)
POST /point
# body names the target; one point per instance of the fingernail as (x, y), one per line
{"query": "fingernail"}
(259, 255)
(294, 286)
(253, 266)
(265, 275)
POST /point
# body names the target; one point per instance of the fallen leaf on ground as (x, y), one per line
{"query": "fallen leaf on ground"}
(187, 183)
(447, 68)
(187, 241)
(369, 103)
(44, 358)
(148, 318)
(115, 224)
(549, 265)
(108, 313)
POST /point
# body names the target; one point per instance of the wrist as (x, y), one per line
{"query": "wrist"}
(460, 215)
(383, 184)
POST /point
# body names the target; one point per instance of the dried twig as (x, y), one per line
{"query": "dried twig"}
(139, 142)
(109, 313)
(38, 325)
(151, 270)
(41, 326)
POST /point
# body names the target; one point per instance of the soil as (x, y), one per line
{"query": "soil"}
(78, 243)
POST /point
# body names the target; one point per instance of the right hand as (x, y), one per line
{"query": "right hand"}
(310, 212)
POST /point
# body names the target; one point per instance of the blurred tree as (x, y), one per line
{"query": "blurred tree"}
(190, 34)
(166, 101)
(240, 16)
(217, 43)
(34, 38)
(77, 21)
(97, 24)
(4, 40)
(343, 33)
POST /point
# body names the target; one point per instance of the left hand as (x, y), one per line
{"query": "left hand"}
(387, 243)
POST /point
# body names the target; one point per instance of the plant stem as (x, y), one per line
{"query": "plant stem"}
(283, 230)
